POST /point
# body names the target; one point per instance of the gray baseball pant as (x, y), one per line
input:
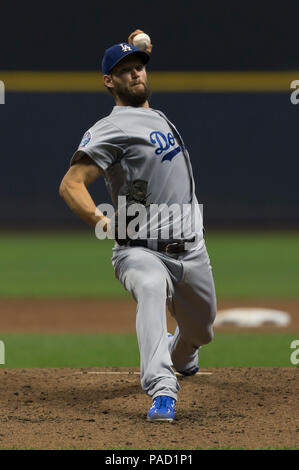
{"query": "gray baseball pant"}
(185, 283)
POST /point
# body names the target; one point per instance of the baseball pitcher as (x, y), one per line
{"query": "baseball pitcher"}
(159, 257)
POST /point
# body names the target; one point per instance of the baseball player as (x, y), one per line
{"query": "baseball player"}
(142, 156)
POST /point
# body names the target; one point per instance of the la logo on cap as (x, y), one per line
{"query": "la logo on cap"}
(125, 47)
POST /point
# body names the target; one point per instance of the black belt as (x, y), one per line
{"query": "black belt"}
(166, 246)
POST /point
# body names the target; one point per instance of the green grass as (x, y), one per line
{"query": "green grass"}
(247, 350)
(79, 265)
(70, 350)
(255, 265)
(112, 350)
(57, 265)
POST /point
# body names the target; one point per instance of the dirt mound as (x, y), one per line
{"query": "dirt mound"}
(106, 409)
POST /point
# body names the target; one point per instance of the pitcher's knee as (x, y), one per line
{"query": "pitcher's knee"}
(152, 285)
(149, 283)
(201, 337)
(207, 337)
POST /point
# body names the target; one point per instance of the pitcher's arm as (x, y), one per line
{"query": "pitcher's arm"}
(73, 189)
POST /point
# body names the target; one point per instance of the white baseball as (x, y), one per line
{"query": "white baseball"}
(141, 41)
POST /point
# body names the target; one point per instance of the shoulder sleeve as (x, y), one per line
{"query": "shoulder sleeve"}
(104, 143)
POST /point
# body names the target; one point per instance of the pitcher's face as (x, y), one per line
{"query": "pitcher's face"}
(128, 81)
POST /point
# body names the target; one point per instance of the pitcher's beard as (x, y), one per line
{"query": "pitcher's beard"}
(131, 98)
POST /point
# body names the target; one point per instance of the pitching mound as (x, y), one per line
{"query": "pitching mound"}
(106, 409)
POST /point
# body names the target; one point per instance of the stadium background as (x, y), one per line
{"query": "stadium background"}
(222, 74)
(243, 143)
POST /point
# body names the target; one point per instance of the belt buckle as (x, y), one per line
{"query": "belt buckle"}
(170, 245)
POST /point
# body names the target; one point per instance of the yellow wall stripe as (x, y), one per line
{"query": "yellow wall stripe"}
(160, 81)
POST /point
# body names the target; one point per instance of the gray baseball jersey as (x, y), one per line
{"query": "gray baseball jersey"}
(141, 143)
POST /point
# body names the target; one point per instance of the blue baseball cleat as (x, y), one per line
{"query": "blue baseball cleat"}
(188, 373)
(162, 409)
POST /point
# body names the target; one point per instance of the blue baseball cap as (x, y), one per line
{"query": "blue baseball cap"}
(116, 53)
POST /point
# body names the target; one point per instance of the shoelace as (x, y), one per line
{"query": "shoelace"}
(162, 402)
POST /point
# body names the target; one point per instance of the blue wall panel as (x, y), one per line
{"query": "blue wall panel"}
(244, 150)
(191, 35)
